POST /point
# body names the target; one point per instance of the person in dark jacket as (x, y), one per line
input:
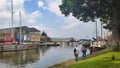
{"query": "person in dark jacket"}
(83, 49)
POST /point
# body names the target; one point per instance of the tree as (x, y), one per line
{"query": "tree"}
(89, 10)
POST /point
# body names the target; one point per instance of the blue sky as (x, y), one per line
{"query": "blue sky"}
(46, 16)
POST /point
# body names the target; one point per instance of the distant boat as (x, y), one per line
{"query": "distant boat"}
(13, 40)
(98, 41)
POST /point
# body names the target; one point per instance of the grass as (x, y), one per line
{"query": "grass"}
(100, 61)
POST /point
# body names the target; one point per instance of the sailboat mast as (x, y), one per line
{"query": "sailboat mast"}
(12, 19)
(101, 31)
(96, 31)
(20, 25)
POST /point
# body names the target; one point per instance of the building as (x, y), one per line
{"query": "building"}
(44, 37)
(27, 35)
(34, 35)
(63, 39)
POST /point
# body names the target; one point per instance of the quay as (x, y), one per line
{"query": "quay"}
(19, 47)
(49, 44)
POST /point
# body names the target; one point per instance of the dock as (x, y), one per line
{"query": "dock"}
(50, 44)
(19, 47)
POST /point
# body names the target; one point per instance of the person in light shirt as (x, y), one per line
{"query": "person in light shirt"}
(76, 51)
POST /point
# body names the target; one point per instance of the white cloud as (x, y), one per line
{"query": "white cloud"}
(18, 5)
(40, 4)
(33, 16)
(3, 4)
(18, 2)
(71, 26)
(52, 6)
(81, 30)
(31, 21)
(70, 22)
(5, 16)
(50, 31)
(5, 10)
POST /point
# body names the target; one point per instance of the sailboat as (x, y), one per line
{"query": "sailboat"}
(97, 42)
(11, 34)
(12, 39)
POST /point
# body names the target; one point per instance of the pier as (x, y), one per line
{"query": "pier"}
(17, 47)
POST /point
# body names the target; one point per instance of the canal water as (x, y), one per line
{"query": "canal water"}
(42, 57)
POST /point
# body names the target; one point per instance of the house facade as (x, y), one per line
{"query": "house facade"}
(27, 34)
(45, 37)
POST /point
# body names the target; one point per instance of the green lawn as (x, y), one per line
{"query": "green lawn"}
(101, 61)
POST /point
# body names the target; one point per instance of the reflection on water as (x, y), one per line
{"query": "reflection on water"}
(40, 58)
(19, 58)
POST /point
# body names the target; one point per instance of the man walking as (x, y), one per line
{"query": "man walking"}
(83, 49)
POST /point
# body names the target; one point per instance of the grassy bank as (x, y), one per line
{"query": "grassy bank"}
(72, 61)
(100, 61)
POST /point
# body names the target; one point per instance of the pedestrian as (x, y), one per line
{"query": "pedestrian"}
(76, 51)
(91, 50)
(83, 49)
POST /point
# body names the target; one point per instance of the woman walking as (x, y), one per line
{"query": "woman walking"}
(76, 52)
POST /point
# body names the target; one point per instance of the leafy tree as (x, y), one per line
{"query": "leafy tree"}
(89, 10)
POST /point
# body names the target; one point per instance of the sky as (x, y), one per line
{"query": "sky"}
(45, 15)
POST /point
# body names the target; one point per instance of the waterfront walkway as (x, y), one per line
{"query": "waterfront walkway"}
(73, 61)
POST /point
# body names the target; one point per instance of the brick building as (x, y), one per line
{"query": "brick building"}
(27, 34)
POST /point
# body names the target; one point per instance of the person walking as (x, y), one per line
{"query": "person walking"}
(83, 49)
(76, 51)
(91, 50)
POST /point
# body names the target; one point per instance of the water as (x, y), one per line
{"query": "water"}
(39, 58)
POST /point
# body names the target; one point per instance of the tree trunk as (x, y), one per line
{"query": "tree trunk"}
(116, 40)
(115, 31)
